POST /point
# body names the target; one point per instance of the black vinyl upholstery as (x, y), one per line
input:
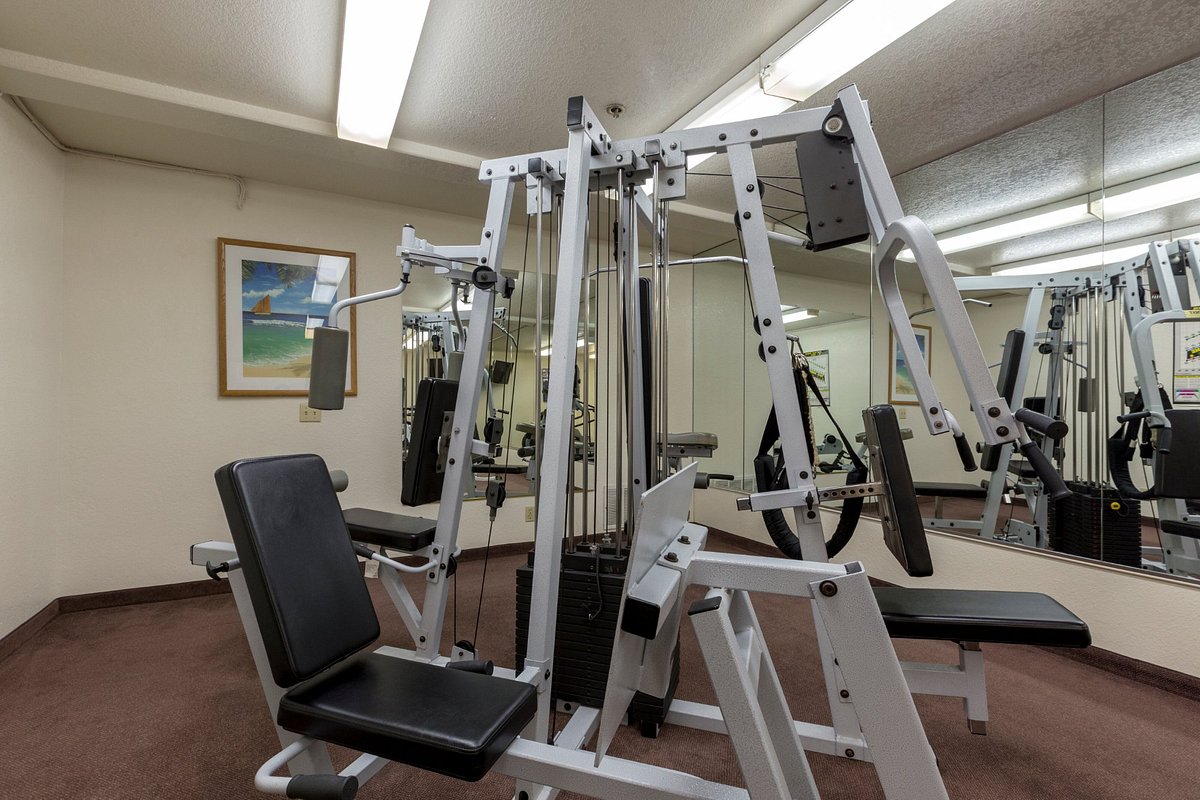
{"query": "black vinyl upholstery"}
(444, 720)
(1190, 529)
(314, 611)
(967, 615)
(302, 574)
(395, 531)
(934, 489)
(903, 528)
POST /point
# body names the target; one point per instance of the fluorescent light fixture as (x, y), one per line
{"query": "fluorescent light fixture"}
(379, 42)
(839, 37)
(1087, 260)
(1012, 226)
(798, 315)
(579, 343)
(1148, 194)
(746, 101)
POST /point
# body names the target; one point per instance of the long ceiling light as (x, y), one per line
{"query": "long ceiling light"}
(840, 35)
(1012, 226)
(1147, 194)
(827, 44)
(792, 314)
(1089, 259)
(379, 42)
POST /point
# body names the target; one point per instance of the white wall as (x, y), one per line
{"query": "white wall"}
(143, 426)
(31, 271)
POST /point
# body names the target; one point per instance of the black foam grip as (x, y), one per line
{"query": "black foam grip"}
(964, 453)
(1045, 471)
(474, 665)
(327, 376)
(1163, 442)
(322, 787)
(1056, 429)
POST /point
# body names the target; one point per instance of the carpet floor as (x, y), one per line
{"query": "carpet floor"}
(160, 700)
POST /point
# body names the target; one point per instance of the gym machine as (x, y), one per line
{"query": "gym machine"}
(422, 708)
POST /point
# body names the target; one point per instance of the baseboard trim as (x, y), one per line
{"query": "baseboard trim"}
(21, 634)
(1168, 680)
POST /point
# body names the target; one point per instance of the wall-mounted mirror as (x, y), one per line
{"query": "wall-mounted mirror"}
(1071, 238)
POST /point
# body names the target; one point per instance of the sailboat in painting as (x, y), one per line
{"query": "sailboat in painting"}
(263, 307)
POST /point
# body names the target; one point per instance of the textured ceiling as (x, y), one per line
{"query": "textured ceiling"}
(251, 88)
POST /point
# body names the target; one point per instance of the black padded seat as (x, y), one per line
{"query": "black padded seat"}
(967, 615)
(449, 721)
(935, 489)
(394, 531)
(1190, 529)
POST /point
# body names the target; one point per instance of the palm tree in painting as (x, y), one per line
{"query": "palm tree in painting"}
(288, 275)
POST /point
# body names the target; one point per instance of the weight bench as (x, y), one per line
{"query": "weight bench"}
(971, 618)
(286, 526)
(940, 491)
(965, 616)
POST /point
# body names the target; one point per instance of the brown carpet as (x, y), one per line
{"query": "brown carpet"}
(160, 700)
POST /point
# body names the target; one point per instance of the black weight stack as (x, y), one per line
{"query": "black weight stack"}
(589, 594)
(1096, 522)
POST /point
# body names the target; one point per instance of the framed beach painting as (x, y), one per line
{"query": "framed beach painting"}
(901, 389)
(270, 297)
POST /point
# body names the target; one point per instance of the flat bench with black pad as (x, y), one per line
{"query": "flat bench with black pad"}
(394, 531)
(960, 490)
(1189, 529)
(969, 615)
(315, 616)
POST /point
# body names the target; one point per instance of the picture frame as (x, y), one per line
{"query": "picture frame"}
(901, 390)
(818, 365)
(1185, 382)
(270, 297)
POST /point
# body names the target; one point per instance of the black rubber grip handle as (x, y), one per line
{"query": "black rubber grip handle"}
(1045, 471)
(1133, 416)
(1056, 429)
(322, 787)
(1163, 442)
(964, 452)
(473, 665)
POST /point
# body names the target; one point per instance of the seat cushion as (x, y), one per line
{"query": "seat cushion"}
(444, 720)
(935, 489)
(693, 439)
(395, 531)
(966, 615)
(1181, 528)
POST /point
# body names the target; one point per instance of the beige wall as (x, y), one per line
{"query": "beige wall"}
(31, 269)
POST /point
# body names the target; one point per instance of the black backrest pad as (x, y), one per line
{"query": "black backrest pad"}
(309, 597)
(903, 529)
(1175, 472)
(422, 482)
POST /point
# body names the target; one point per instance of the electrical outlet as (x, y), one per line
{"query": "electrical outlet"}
(309, 414)
(529, 514)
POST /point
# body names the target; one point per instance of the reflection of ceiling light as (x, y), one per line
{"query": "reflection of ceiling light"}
(1094, 258)
(1148, 194)
(545, 351)
(744, 102)
(379, 42)
(836, 41)
(1011, 226)
(798, 315)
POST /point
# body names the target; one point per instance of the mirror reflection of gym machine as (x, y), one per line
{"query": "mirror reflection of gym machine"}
(1088, 313)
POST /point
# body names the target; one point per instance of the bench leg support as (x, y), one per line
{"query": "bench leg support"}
(966, 680)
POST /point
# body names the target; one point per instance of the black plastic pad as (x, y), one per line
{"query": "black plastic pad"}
(963, 490)
(310, 600)
(903, 528)
(394, 531)
(449, 721)
(967, 615)
(422, 478)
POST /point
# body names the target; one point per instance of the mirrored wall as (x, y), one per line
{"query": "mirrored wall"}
(1067, 233)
